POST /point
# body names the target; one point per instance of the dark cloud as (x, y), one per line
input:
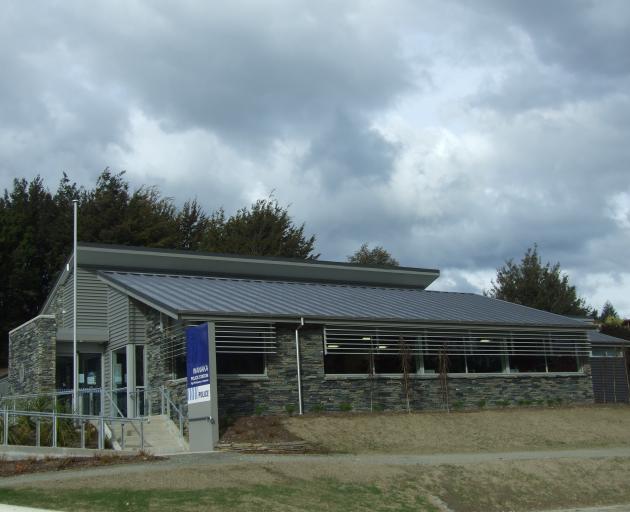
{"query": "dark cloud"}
(521, 136)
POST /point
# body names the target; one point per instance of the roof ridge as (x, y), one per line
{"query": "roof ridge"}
(260, 280)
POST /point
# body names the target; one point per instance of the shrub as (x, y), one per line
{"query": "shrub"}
(378, 408)
(318, 408)
(345, 406)
(458, 405)
(290, 408)
(482, 403)
(503, 403)
(260, 409)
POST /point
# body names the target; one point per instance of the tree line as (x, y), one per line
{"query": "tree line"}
(36, 240)
(36, 233)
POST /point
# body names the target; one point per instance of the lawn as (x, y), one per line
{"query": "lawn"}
(298, 495)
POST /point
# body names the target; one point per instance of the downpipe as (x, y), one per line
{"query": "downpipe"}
(297, 358)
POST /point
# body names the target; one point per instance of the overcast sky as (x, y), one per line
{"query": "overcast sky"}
(455, 134)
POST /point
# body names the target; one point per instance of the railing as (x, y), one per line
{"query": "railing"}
(168, 408)
(91, 401)
(62, 429)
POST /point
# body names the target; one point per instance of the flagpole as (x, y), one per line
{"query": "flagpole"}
(75, 389)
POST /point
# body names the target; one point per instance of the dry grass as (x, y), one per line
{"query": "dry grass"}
(483, 431)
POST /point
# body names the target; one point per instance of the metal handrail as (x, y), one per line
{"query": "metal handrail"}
(167, 404)
(54, 416)
(108, 394)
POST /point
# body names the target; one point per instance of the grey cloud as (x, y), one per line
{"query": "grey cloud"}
(585, 36)
(348, 149)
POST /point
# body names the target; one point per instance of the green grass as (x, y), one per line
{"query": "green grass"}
(314, 495)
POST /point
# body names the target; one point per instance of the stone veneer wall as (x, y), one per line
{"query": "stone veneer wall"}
(32, 357)
(273, 392)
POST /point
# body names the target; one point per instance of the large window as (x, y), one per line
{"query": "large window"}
(242, 349)
(485, 354)
(364, 350)
(369, 352)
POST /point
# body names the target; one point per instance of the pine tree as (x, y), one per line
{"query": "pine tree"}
(539, 286)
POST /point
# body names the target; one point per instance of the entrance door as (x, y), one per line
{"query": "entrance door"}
(90, 375)
(139, 394)
(119, 380)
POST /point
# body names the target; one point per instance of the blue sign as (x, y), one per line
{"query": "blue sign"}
(197, 364)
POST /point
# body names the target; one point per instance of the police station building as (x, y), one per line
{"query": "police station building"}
(299, 335)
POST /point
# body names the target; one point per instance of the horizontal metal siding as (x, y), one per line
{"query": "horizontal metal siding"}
(67, 304)
(137, 324)
(91, 301)
(610, 380)
(118, 319)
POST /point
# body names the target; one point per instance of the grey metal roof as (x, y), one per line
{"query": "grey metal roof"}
(182, 295)
(599, 338)
(142, 259)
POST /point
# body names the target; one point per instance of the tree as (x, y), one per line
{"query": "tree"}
(192, 224)
(264, 229)
(539, 286)
(377, 256)
(112, 214)
(609, 313)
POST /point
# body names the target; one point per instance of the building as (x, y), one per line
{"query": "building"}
(294, 334)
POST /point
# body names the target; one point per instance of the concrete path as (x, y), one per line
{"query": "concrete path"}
(223, 458)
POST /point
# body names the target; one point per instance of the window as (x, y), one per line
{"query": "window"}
(242, 348)
(63, 373)
(485, 355)
(527, 355)
(347, 364)
(365, 350)
(607, 352)
(368, 351)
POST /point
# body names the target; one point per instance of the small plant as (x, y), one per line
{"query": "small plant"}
(559, 401)
(290, 408)
(260, 409)
(345, 406)
(482, 403)
(318, 408)
(458, 405)
(523, 402)
(378, 408)
(503, 403)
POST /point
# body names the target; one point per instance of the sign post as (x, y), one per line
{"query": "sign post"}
(201, 384)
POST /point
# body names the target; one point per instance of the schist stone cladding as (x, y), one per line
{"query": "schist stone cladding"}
(273, 392)
(32, 350)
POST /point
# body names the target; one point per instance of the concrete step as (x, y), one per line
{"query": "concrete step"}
(161, 436)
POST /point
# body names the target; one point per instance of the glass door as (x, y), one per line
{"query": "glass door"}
(90, 383)
(139, 394)
(119, 381)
